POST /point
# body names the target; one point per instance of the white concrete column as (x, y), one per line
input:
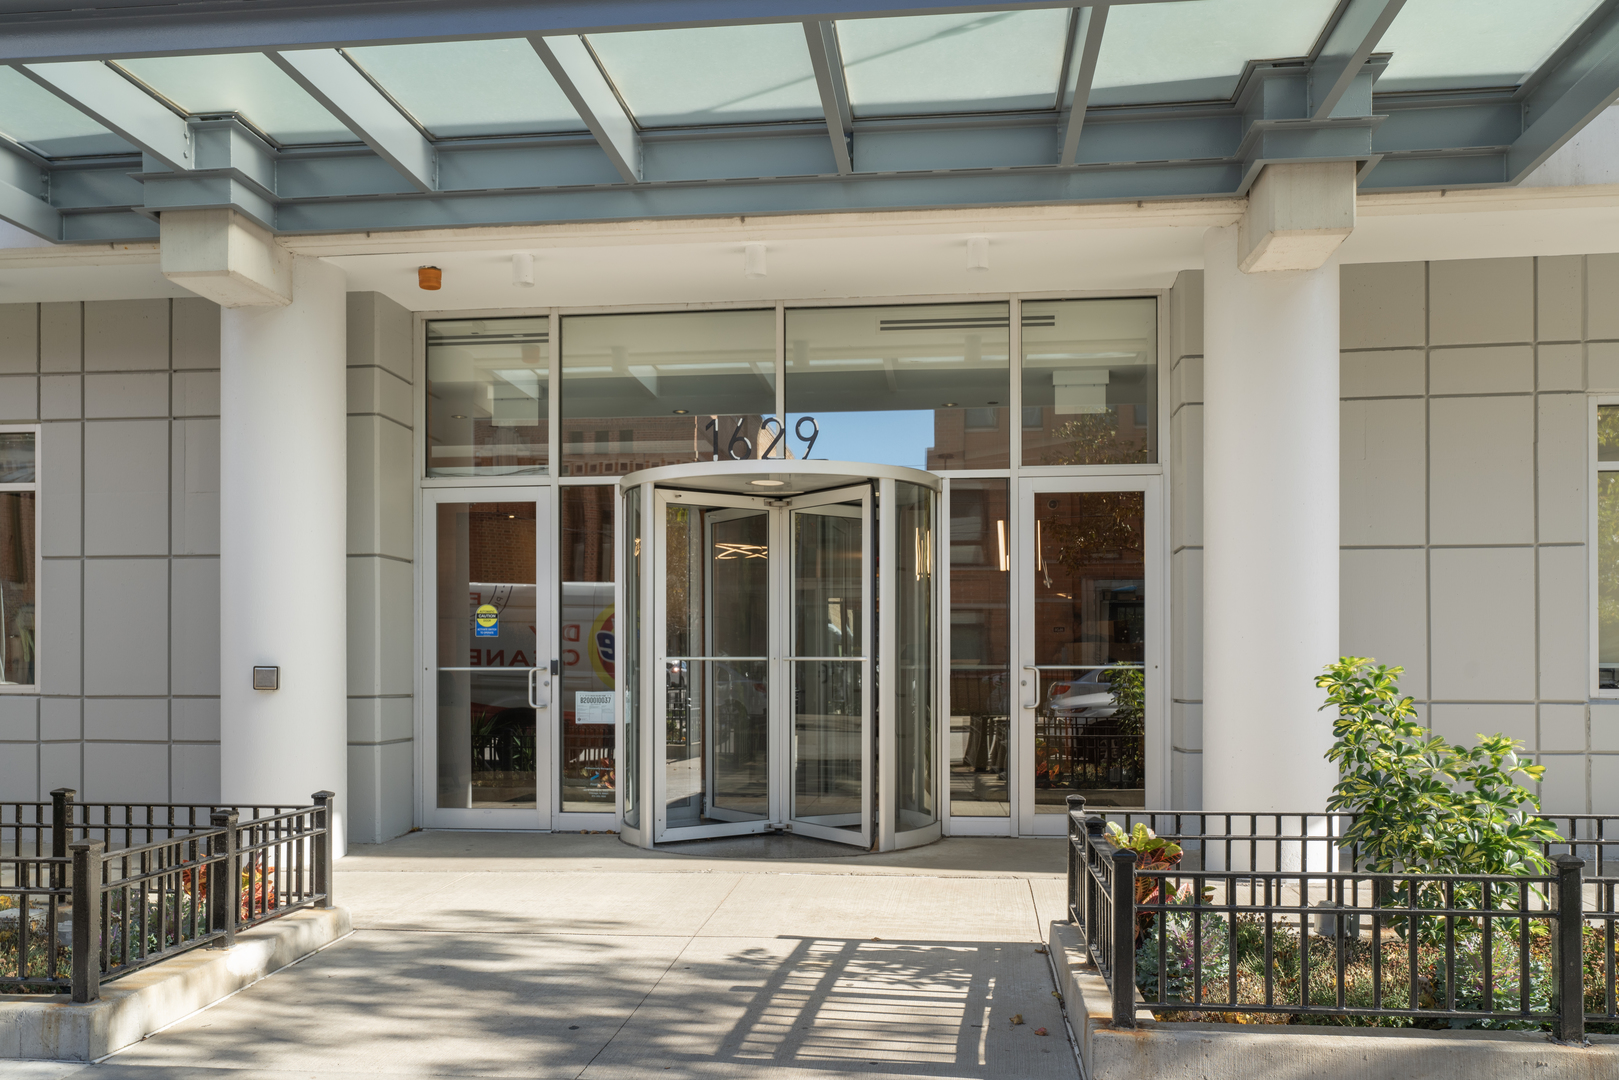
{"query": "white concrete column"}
(282, 544)
(1270, 530)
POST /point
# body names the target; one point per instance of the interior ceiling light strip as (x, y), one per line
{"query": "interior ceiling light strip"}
(490, 339)
(988, 323)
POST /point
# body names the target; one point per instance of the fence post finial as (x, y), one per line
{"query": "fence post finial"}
(1570, 984)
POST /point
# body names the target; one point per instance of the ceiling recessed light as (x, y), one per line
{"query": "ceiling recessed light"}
(681, 412)
(948, 405)
(767, 483)
(458, 416)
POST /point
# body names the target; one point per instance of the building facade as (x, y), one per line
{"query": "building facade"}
(690, 518)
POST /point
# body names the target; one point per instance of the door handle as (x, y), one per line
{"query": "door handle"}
(1035, 704)
(534, 685)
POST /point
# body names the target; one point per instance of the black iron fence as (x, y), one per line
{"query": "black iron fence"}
(1272, 918)
(125, 886)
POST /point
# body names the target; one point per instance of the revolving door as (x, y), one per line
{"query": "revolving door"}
(780, 648)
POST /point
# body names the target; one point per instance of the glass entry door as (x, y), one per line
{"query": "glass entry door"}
(1090, 683)
(489, 660)
(763, 645)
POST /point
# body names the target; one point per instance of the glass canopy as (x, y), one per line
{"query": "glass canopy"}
(920, 65)
(421, 117)
(248, 85)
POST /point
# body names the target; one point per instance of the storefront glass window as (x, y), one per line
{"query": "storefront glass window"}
(18, 555)
(980, 647)
(1607, 483)
(665, 388)
(589, 640)
(1090, 382)
(488, 397)
(925, 386)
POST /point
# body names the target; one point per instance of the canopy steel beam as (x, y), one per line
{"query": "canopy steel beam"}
(574, 67)
(1344, 53)
(1085, 47)
(827, 60)
(1566, 99)
(118, 104)
(47, 30)
(22, 185)
(364, 110)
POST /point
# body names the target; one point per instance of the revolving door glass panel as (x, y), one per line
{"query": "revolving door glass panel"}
(831, 747)
(717, 649)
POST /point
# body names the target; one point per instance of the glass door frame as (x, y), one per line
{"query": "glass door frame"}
(1025, 683)
(654, 679)
(428, 813)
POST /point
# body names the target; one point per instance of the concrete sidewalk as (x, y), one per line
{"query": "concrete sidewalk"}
(576, 956)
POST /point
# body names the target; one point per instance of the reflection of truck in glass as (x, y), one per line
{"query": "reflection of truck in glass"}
(588, 666)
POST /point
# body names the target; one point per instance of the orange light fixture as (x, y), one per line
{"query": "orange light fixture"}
(430, 278)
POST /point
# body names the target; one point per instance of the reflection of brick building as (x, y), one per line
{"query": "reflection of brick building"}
(977, 438)
(613, 447)
(500, 539)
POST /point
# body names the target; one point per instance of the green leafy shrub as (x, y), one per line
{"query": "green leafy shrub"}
(1422, 805)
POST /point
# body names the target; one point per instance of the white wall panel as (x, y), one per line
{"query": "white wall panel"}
(1481, 301)
(125, 772)
(1383, 373)
(19, 719)
(1564, 623)
(1463, 724)
(61, 638)
(1482, 481)
(1485, 369)
(195, 656)
(194, 459)
(1562, 728)
(1483, 636)
(1601, 287)
(127, 719)
(61, 718)
(1383, 471)
(1560, 298)
(19, 338)
(1560, 367)
(126, 487)
(61, 764)
(126, 634)
(194, 768)
(61, 337)
(126, 335)
(61, 397)
(195, 333)
(1384, 610)
(1561, 457)
(194, 719)
(19, 399)
(1382, 306)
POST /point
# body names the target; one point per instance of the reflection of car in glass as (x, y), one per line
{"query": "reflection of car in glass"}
(1088, 698)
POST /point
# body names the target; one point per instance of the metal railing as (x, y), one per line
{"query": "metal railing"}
(1274, 914)
(193, 879)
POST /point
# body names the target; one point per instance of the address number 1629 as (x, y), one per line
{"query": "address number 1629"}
(740, 448)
